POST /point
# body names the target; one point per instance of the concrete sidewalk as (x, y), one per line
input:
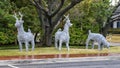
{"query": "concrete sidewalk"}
(114, 44)
(58, 60)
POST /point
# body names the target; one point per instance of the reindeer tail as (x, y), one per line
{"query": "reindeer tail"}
(89, 31)
(59, 29)
(29, 30)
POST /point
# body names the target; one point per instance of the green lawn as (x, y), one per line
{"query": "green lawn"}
(114, 38)
(13, 50)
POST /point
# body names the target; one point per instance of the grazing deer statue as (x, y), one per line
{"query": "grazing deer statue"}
(63, 36)
(99, 38)
(23, 37)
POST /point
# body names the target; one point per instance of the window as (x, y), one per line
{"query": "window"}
(118, 24)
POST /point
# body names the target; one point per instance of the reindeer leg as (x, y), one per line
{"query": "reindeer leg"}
(93, 45)
(99, 46)
(102, 46)
(67, 45)
(20, 45)
(56, 42)
(87, 41)
(33, 45)
(60, 45)
(26, 45)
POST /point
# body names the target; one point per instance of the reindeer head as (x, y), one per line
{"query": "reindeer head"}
(68, 20)
(19, 22)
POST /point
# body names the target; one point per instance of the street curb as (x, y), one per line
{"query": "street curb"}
(58, 60)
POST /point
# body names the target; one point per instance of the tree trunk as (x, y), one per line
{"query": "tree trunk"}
(48, 36)
(106, 28)
(46, 39)
(35, 36)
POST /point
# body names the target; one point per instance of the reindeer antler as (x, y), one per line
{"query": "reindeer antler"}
(66, 17)
(21, 15)
(15, 16)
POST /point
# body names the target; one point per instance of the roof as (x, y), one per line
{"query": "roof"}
(116, 14)
(117, 10)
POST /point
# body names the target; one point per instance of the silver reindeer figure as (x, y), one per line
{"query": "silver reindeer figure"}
(63, 36)
(23, 37)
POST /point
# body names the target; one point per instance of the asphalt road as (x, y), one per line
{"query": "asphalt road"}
(85, 64)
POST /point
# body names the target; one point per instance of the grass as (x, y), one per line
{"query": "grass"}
(14, 50)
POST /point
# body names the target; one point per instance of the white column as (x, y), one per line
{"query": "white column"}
(115, 24)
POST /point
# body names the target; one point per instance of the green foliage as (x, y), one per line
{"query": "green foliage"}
(7, 30)
(77, 37)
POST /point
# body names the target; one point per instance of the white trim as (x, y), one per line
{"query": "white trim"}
(12, 66)
(114, 16)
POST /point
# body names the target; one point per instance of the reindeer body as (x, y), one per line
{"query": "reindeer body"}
(23, 37)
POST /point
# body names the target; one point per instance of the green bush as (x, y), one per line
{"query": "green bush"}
(77, 37)
(7, 28)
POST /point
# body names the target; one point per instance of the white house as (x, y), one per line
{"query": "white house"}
(116, 18)
(116, 15)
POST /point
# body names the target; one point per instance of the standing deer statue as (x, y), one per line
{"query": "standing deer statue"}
(63, 36)
(23, 37)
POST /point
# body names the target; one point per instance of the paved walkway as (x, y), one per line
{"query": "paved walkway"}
(114, 44)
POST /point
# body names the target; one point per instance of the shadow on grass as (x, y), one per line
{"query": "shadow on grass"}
(12, 46)
(7, 47)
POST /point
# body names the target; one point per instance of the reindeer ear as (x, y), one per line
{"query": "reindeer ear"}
(68, 15)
